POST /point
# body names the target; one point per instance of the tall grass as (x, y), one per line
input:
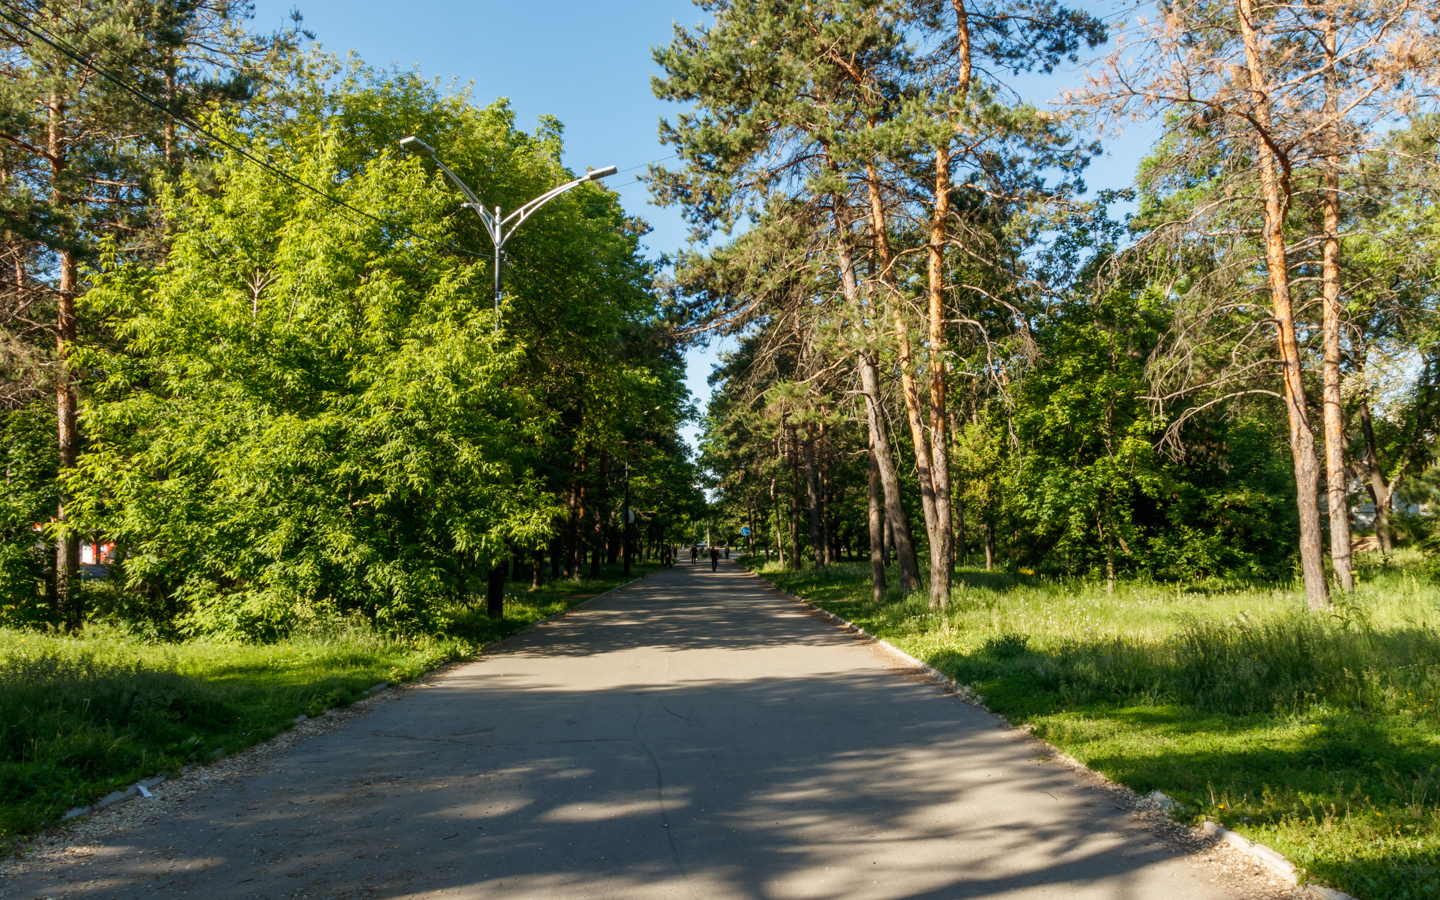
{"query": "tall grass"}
(1287, 665)
(83, 715)
(1315, 734)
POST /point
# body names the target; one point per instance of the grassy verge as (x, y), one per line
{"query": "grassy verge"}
(1319, 736)
(82, 716)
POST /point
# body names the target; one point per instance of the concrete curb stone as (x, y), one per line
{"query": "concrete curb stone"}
(1271, 859)
(139, 788)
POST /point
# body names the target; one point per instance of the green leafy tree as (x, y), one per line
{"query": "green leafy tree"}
(313, 410)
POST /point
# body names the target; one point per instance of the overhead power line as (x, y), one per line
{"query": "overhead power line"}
(8, 12)
(63, 47)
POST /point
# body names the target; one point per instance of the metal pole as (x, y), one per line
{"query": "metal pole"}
(499, 240)
(496, 226)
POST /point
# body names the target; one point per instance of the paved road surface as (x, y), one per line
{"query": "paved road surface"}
(693, 736)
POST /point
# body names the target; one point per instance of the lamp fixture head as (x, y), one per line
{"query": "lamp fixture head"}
(418, 147)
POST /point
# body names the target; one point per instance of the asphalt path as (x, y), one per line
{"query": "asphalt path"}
(692, 736)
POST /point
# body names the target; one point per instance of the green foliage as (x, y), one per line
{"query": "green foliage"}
(313, 411)
(27, 442)
(1077, 465)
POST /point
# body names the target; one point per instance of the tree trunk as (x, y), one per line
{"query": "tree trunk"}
(495, 592)
(572, 532)
(537, 568)
(750, 538)
(812, 487)
(942, 538)
(775, 521)
(1380, 490)
(989, 545)
(889, 478)
(597, 529)
(1107, 525)
(897, 526)
(67, 541)
(1276, 193)
(959, 507)
(794, 503)
(908, 388)
(876, 522)
(829, 530)
(1336, 477)
(67, 544)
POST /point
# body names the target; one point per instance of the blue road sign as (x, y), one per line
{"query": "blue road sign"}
(745, 531)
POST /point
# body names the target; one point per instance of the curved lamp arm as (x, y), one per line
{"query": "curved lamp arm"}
(494, 224)
(420, 148)
(524, 212)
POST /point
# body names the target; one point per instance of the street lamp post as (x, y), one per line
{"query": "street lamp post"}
(500, 229)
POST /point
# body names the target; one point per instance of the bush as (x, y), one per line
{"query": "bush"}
(30, 462)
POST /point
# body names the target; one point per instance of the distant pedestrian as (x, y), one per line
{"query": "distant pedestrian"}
(727, 551)
(665, 557)
(714, 558)
(694, 553)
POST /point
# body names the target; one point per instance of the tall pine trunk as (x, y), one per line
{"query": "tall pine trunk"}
(1275, 192)
(942, 534)
(1380, 489)
(897, 527)
(875, 518)
(775, 523)
(909, 389)
(794, 502)
(895, 520)
(942, 537)
(812, 488)
(597, 540)
(67, 540)
(1336, 477)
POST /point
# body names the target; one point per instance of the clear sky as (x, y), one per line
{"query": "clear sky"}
(587, 64)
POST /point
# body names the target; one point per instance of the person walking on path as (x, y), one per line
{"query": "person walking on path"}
(665, 557)
(694, 553)
(714, 558)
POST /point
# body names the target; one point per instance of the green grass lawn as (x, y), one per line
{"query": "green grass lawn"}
(1319, 736)
(83, 716)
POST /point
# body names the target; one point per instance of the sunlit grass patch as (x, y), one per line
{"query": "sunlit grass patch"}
(81, 716)
(1318, 735)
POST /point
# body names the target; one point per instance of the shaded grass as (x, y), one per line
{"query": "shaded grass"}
(83, 716)
(1319, 736)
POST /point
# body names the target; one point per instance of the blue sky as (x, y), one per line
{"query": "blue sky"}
(587, 64)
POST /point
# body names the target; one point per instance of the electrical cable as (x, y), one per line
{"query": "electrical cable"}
(6, 11)
(197, 128)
